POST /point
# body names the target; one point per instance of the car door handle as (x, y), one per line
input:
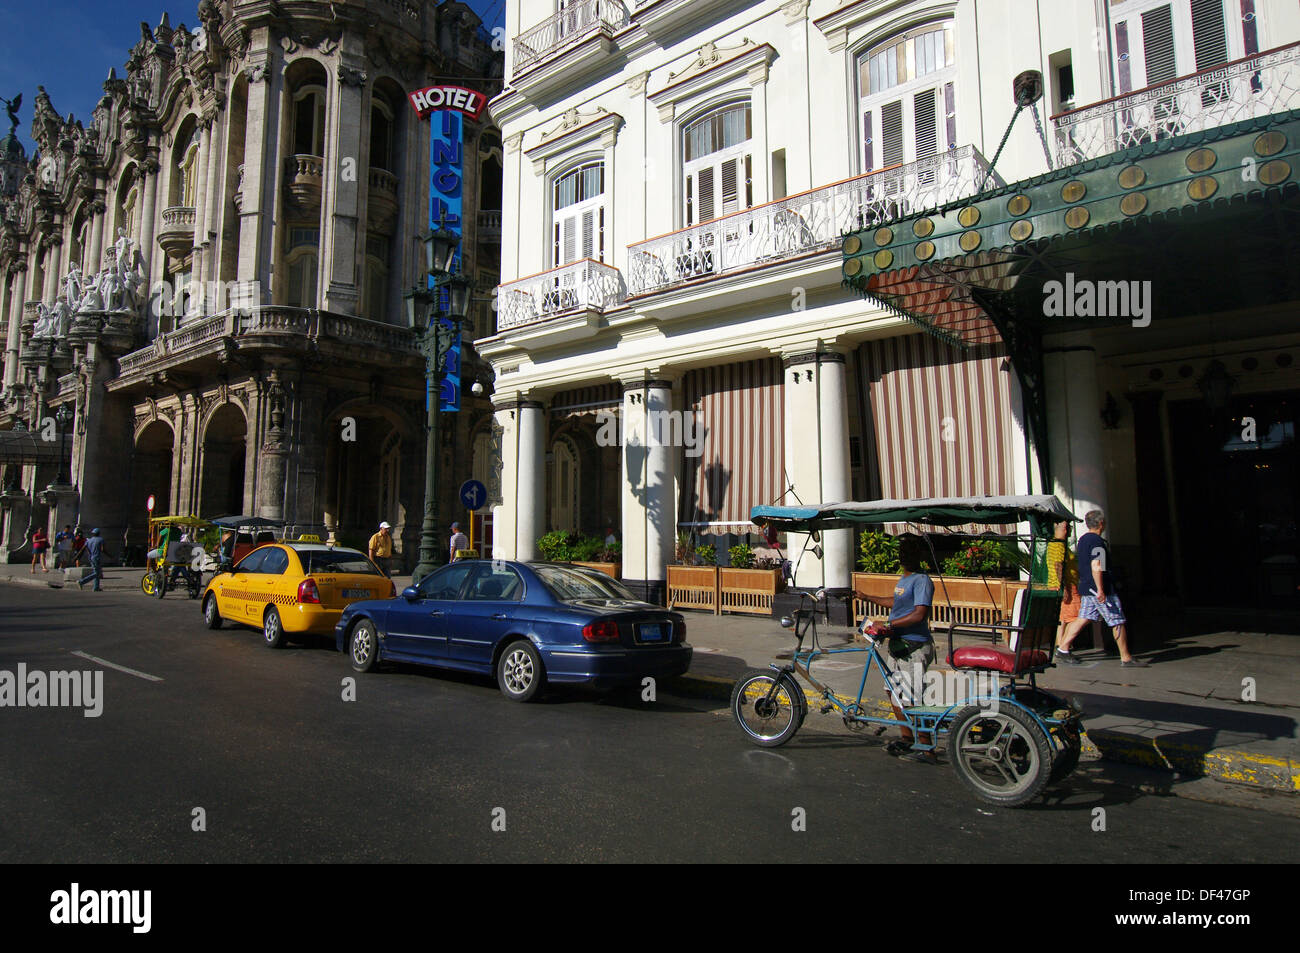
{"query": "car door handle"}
(499, 616)
(436, 612)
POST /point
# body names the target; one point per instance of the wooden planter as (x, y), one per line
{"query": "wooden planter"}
(613, 570)
(748, 590)
(979, 601)
(693, 587)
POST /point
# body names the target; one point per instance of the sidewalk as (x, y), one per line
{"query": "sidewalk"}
(116, 578)
(1185, 714)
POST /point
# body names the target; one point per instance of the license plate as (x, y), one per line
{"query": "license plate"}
(356, 593)
(653, 633)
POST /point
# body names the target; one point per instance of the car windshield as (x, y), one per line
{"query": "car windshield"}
(571, 584)
(336, 560)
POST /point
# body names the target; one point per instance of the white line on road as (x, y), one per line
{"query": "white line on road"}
(120, 668)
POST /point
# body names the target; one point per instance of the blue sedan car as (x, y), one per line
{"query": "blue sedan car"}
(527, 623)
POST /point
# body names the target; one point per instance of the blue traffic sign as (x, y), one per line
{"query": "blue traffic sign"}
(473, 494)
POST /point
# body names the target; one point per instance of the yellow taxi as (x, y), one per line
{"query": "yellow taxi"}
(297, 586)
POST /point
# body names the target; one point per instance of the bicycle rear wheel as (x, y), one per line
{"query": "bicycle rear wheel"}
(769, 718)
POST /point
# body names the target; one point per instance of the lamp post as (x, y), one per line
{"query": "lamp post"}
(438, 330)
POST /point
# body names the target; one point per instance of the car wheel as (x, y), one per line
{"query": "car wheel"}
(211, 614)
(273, 629)
(363, 647)
(519, 671)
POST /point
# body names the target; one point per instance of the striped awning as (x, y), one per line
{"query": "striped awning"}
(741, 462)
(593, 399)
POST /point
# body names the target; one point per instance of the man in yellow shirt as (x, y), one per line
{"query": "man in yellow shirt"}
(381, 548)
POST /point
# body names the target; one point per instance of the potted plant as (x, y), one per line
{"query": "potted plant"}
(690, 585)
(744, 586)
(594, 553)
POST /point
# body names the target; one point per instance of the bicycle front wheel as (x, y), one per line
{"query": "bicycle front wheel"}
(769, 707)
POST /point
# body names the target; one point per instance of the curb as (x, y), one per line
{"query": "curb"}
(1225, 765)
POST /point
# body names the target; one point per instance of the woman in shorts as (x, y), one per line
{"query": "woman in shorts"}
(40, 546)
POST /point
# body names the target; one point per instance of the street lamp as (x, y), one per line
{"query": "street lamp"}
(438, 331)
(63, 417)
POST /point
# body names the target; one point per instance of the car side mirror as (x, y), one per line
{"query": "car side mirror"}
(410, 593)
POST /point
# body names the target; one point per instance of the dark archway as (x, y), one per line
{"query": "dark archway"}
(152, 468)
(221, 491)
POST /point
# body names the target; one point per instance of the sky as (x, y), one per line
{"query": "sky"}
(68, 46)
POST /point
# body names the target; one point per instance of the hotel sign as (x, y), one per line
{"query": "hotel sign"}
(468, 101)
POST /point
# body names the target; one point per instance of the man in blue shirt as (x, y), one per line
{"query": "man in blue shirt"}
(94, 548)
(1098, 600)
(910, 642)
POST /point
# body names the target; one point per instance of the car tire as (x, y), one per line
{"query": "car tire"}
(363, 646)
(519, 671)
(211, 614)
(273, 629)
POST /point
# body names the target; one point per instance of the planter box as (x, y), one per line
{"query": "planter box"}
(693, 587)
(748, 590)
(613, 570)
(978, 601)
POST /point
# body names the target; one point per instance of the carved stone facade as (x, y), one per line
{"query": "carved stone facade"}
(209, 273)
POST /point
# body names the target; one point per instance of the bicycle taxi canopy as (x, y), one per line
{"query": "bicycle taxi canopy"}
(1041, 512)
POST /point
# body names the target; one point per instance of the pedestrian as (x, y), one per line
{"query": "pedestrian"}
(381, 548)
(610, 538)
(910, 641)
(95, 551)
(63, 548)
(78, 543)
(1063, 574)
(40, 543)
(458, 540)
(1098, 600)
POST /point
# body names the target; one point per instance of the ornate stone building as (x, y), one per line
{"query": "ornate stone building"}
(209, 274)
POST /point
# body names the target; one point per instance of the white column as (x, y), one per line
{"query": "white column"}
(833, 439)
(649, 502)
(262, 168)
(148, 211)
(803, 456)
(1074, 421)
(14, 337)
(202, 184)
(503, 515)
(530, 477)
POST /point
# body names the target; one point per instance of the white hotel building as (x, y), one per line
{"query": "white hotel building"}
(679, 179)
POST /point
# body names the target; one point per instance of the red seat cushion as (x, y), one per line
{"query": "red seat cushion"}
(997, 660)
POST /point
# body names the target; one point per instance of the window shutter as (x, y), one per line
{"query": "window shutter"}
(927, 131)
(569, 240)
(704, 193)
(1209, 34)
(589, 233)
(1158, 45)
(891, 129)
(730, 186)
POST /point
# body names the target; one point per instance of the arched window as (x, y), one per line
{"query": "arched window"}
(578, 215)
(906, 99)
(309, 121)
(189, 173)
(300, 262)
(376, 288)
(717, 153)
(129, 209)
(381, 137)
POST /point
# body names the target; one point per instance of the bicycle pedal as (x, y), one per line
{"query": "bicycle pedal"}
(827, 708)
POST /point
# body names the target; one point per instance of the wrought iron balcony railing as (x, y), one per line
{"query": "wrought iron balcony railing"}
(582, 285)
(1243, 89)
(561, 30)
(802, 224)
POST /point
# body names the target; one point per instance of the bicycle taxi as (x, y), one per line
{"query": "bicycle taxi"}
(190, 559)
(1007, 737)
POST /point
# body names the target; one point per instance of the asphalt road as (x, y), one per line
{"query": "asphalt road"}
(415, 768)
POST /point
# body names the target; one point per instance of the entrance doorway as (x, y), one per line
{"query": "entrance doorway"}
(152, 470)
(1237, 490)
(222, 490)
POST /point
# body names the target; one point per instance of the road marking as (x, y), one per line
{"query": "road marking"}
(121, 668)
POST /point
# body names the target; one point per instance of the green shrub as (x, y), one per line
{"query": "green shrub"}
(584, 549)
(742, 556)
(554, 546)
(685, 549)
(979, 557)
(610, 553)
(706, 555)
(878, 552)
(767, 562)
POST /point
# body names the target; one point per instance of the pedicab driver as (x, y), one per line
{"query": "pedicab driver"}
(910, 642)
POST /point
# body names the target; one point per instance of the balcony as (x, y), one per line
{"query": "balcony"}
(303, 175)
(805, 224)
(489, 226)
(176, 234)
(583, 286)
(381, 202)
(1249, 88)
(585, 27)
(212, 339)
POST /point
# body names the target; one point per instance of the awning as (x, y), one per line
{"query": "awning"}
(1044, 510)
